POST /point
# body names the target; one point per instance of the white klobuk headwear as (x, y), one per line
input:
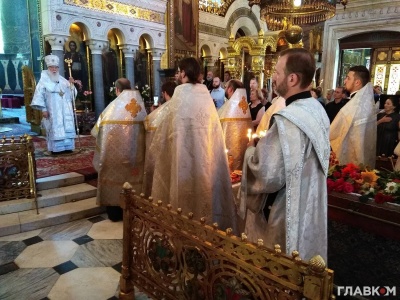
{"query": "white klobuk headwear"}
(52, 60)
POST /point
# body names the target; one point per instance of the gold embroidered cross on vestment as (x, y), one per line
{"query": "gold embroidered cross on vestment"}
(133, 107)
(243, 105)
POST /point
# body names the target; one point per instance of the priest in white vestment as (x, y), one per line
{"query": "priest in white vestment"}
(278, 103)
(353, 131)
(53, 96)
(151, 123)
(120, 145)
(235, 119)
(284, 193)
(190, 164)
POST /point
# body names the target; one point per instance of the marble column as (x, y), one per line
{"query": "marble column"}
(5, 62)
(16, 63)
(157, 53)
(129, 54)
(57, 48)
(97, 47)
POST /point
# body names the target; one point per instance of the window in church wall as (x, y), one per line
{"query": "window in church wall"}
(394, 79)
(379, 78)
(386, 69)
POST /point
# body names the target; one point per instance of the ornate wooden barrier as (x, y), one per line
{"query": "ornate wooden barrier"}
(171, 256)
(17, 169)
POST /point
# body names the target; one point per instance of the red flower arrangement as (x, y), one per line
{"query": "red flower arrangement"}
(382, 186)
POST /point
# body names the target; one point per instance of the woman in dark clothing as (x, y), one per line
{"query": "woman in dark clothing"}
(388, 128)
(265, 101)
(257, 109)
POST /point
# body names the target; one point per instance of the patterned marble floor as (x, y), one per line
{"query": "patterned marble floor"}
(76, 260)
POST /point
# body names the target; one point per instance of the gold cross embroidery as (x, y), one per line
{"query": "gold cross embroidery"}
(243, 105)
(133, 107)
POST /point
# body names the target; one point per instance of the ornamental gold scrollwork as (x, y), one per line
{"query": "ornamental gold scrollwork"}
(168, 254)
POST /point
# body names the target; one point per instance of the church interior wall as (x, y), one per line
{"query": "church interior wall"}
(216, 30)
(360, 16)
(58, 17)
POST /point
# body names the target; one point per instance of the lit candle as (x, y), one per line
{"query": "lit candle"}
(254, 136)
(249, 134)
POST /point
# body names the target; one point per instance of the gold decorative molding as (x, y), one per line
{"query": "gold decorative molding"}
(257, 50)
(216, 8)
(115, 7)
(17, 169)
(169, 255)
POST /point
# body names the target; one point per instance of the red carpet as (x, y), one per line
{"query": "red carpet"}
(80, 161)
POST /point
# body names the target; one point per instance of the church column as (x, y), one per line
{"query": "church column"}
(157, 53)
(210, 63)
(257, 67)
(5, 62)
(16, 63)
(57, 48)
(97, 47)
(233, 65)
(129, 53)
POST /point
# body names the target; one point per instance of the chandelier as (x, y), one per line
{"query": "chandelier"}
(281, 14)
(217, 7)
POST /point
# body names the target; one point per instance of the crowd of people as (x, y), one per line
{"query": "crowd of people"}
(184, 151)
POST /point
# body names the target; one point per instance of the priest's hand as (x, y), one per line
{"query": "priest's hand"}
(71, 80)
(45, 114)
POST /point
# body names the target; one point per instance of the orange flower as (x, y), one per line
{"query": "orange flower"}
(368, 177)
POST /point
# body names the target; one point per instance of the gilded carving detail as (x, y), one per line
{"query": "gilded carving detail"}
(396, 55)
(17, 168)
(115, 7)
(173, 256)
(382, 56)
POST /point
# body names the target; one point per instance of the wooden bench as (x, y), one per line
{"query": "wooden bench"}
(168, 255)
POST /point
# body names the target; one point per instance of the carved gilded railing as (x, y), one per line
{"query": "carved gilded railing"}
(17, 169)
(171, 256)
(33, 116)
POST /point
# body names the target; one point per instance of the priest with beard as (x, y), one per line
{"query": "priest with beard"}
(190, 164)
(353, 131)
(235, 121)
(120, 146)
(151, 123)
(283, 190)
(53, 96)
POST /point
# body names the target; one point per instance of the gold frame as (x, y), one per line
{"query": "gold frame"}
(173, 49)
(171, 256)
(19, 154)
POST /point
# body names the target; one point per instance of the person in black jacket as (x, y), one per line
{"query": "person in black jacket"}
(333, 107)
